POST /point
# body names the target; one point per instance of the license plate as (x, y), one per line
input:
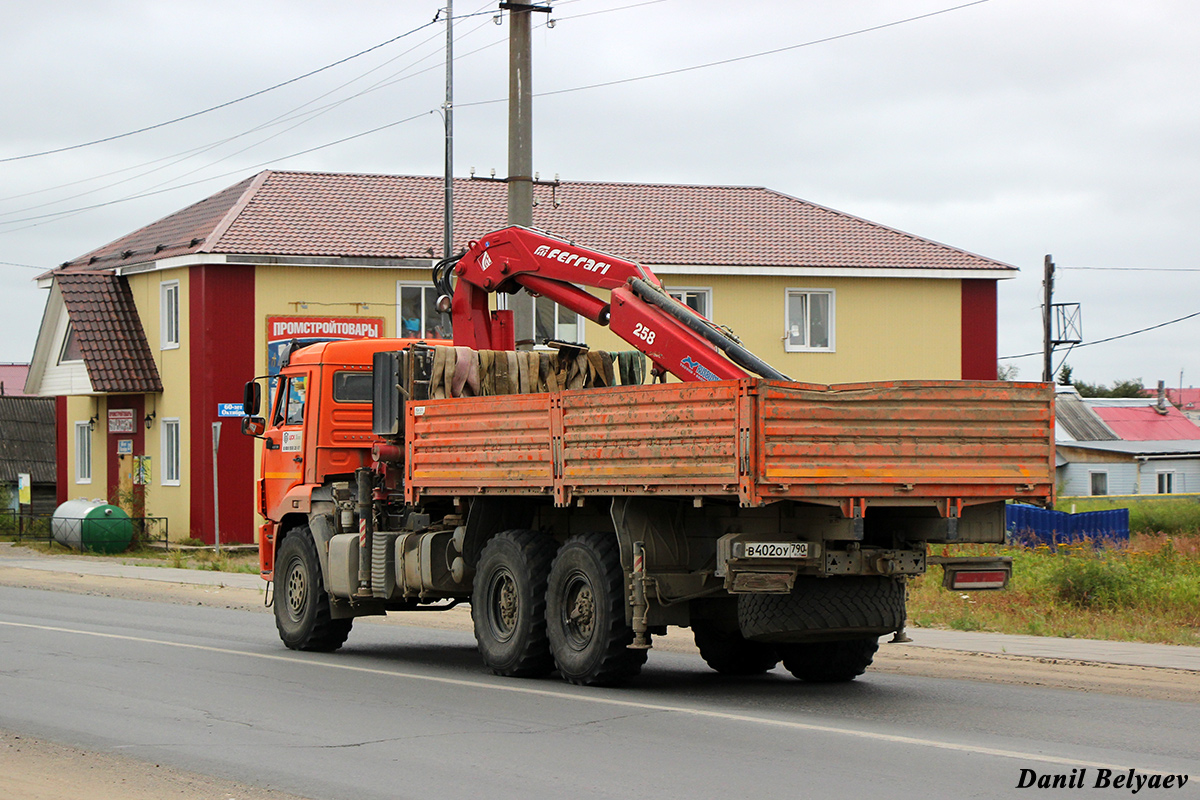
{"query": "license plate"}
(775, 550)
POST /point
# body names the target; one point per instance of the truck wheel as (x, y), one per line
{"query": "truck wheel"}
(829, 662)
(730, 653)
(851, 607)
(585, 610)
(301, 603)
(508, 603)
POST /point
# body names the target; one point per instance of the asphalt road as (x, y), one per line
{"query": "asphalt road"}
(409, 712)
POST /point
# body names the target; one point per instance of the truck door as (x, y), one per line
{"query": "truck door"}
(283, 460)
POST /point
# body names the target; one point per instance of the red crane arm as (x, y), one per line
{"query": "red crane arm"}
(674, 337)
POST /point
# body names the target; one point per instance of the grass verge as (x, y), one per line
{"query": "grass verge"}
(1146, 591)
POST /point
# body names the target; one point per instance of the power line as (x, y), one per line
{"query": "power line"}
(1138, 269)
(1112, 338)
(736, 59)
(227, 103)
(81, 209)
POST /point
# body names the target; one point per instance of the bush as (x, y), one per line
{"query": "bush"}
(1092, 583)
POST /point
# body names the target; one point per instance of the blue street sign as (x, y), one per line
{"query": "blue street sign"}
(229, 410)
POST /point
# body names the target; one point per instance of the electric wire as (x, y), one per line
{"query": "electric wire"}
(278, 120)
(235, 101)
(735, 59)
(286, 117)
(1112, 338)
(72, 212)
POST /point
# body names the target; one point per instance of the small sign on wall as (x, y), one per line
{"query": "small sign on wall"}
(120, 420)
(124, 447)
(230, 410)
(141, 470)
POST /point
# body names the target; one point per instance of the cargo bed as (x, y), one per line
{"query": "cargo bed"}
(901, 443)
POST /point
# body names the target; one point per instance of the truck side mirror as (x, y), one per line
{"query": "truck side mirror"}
(253, 426)
(251, 399)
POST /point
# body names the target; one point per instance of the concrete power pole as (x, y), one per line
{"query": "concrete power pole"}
(520, 111)
(1048, 321)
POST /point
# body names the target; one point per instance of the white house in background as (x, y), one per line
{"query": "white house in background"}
(1122, 446)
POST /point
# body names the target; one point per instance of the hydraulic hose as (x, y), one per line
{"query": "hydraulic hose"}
(699, 325)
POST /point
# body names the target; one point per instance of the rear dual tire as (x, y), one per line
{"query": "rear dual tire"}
(585, 613)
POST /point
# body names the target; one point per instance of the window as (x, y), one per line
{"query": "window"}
(295, 400)
(352, 387)
(1099, 483)
(170, 452)
(809, 320)
(536, 319)
(417, 314)
(1166, 482)
(83, 452)
(70, 348)
(698, 300)
(168, 299)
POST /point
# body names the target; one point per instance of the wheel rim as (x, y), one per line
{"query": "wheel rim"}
(502, 606)
(297, 590)
(578, 610)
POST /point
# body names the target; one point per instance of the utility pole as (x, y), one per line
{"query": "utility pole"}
(520, 111)
(448, 116)
(1048, 321)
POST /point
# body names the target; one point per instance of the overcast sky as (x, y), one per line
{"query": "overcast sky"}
(1009, 128)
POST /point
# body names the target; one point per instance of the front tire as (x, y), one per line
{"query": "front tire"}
(585, 611)
(508, 603)
(301, 603)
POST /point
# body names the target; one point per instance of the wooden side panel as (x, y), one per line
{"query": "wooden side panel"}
(907, 440)
(679, 438)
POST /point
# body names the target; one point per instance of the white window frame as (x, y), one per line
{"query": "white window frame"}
(168, 304)
(172, 468)
(1092, 473)
(66, 340)
(424, 287)
(1169, 475)
(787, 304)
(83, 452)
(678, 293)
(504, 302)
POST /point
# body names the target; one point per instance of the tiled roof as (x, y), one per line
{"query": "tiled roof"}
(27, 438)
(109, 333)
(391, 216)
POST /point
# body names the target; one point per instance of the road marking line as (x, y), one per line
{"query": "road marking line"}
(609, 701)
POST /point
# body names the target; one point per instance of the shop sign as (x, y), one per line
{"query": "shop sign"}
(281, 330)
(120, 420)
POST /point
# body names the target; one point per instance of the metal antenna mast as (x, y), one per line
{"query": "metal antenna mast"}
(448, 117)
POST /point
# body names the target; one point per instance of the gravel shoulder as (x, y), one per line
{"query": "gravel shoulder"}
(38, 770)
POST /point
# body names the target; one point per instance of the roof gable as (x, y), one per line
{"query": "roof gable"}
(109, 333)
(392, 216)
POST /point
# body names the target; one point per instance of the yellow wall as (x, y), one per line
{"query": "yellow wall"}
(885, 328)
(172, 502)
(81, 409)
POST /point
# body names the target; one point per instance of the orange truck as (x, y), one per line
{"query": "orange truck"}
(581, 512)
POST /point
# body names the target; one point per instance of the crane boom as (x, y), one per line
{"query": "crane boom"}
(673, 336)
